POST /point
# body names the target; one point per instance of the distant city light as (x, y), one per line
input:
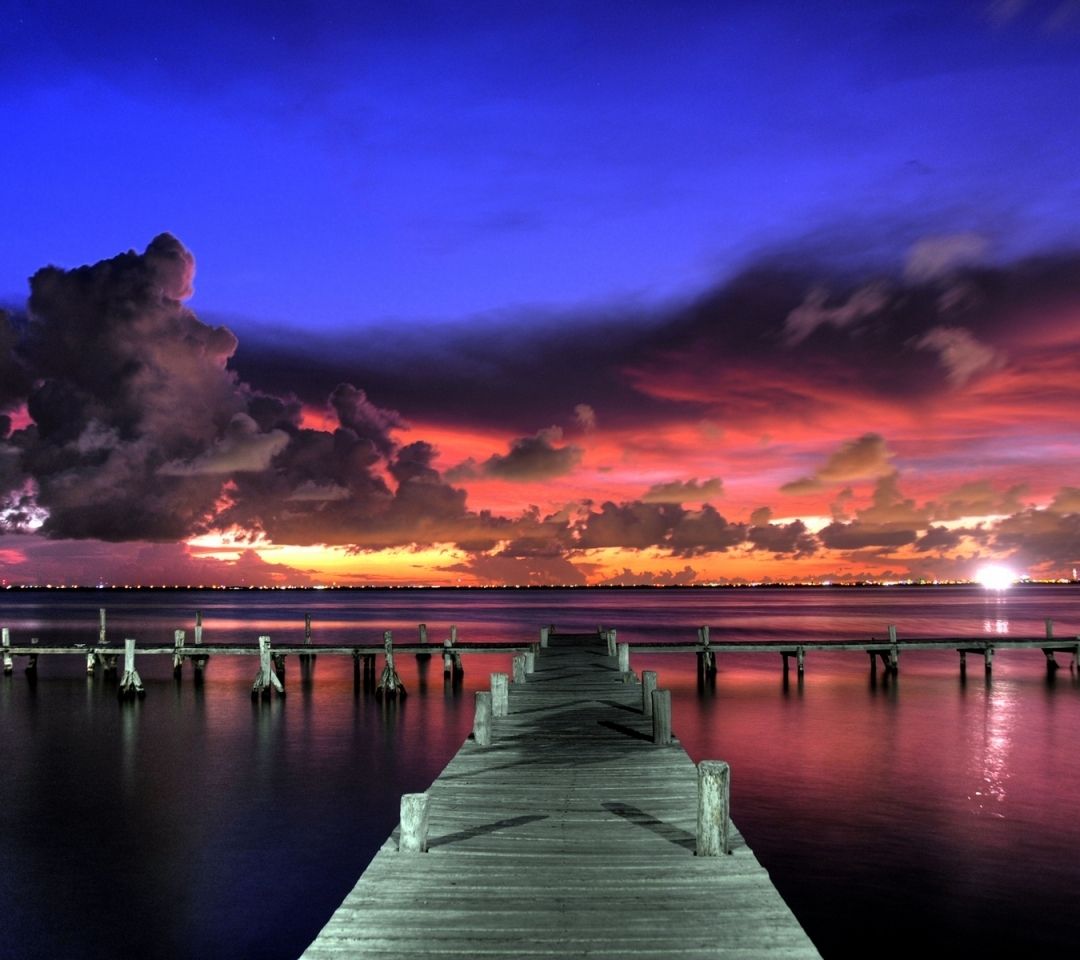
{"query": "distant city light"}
(995, 577)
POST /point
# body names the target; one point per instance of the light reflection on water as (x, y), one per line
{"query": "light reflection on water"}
(948, 798)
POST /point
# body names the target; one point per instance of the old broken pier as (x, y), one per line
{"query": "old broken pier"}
(270, 673)
(570, 823)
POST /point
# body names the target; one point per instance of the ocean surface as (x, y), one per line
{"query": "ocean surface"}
(895, 814)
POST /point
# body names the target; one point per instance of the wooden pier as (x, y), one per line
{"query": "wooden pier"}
(569, 824)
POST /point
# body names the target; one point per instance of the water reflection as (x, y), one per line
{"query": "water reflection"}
(991, 753)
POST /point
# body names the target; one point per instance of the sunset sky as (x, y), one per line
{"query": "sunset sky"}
(538, 292)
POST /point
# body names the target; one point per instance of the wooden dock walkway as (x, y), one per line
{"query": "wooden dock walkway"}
(572, 834)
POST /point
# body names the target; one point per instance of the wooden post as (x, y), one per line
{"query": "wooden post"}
(92, 657)
(199, 662)
(894, 651)
(178, 653)
(31, 661)
(624, 660)
(266, 677)
(800, 654)
(518, 666)
(714, 805)
(9, 664)
(963, 663)
(611, 642)
(544, 636)
(307, 657)
(989, 660)
(648, 685)
(500, 694)
(708, 657)
(661, 717)
(530, 661)
(131, 684)
(1051, 663)
(482, 718)
(414, 823)
(390, 684)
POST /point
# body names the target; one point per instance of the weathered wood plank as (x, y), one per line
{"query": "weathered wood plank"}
(571, 834)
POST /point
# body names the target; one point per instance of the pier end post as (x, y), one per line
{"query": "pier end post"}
(648, 685)
(530, 661)
(624, 661)
(661, 717)
(414, 823)
(178, 653)
(544, 636)
(500, 695)
(482, 718)
(390, 684)
(714, 805)
(518, 666)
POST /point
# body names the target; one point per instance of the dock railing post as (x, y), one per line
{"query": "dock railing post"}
(5, 639)
(414, 823)
(661, 717)
(518, 665)
(530, 661)
(482, 718)
(544, 636)
(648, 685)
(266, 677)
(714, 805)
(500, 695)
(624, 661)
(611, 642)
(199, 662)
(894, 651)
(131, 684)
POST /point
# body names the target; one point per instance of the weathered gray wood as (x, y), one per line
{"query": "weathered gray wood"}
(610, 636)
(482, 718)
(178, 654)
(266, 677)
(518, 668)
(624, 659)
(570, 836)
(500, 694)
(199, 661)
(5, 638)
(648, 685)
(661, 717)
(390, 685)
(544, 636)
(413, 833)
(530, 662)
(131, 684)
(714, 806)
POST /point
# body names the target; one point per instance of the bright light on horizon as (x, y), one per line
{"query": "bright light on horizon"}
(995, 577)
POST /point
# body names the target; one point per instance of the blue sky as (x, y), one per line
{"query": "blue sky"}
(335, 164)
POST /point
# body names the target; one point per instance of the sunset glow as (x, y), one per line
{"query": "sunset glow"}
(724, 295)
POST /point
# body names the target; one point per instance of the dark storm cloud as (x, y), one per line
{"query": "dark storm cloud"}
(783, 538)
(681, 491)
(730, 355)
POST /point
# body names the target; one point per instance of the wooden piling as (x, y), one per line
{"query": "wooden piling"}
(482, 718)
(266, 677)
(9, 663)
(648, 685)
(714, 808)
(661, 717)
(500, 694)
(544, 631)
(178, 653)
(390, 685)
(199, 661)
(307, 657)
(530, 661)
(611, 642)
(518, 667)
(412, 837)
(31, 661)
(624, 661)
(894, 651)
(131, 684)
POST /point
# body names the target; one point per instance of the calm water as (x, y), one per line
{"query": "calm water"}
(194, 824)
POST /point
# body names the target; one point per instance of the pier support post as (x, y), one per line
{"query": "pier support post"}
(611, 642)
(94, 656)
(451, 660)
(624, 661)
(989, 655)
(178, 653)
(894, 652)
(307, 657)
(482, 718)
(414, 823)
(544, 636)
(530, 661)
(390, 684)
(1051, 663)
(9, 664)
(714, 805)
(421, 630)
(963, 663)
(518, 666)
(131, 684)
(800, 659)
(648, 685)
(661, 717)
(500, 694)
(198, 662)
(31, 661)
(707, 656)
(266, 677)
